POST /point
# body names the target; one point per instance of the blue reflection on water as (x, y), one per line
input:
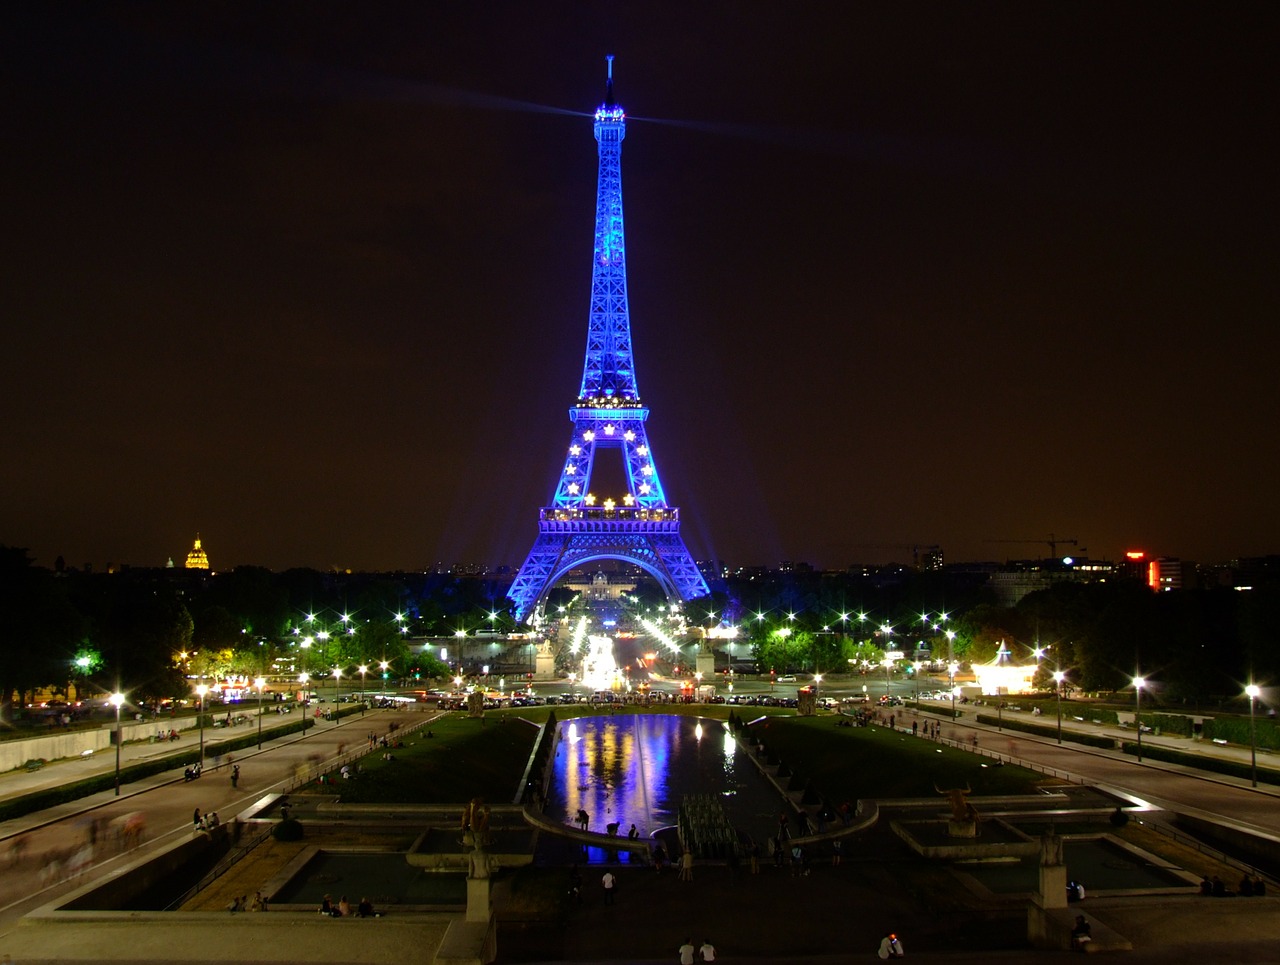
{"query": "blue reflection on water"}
(635, 768)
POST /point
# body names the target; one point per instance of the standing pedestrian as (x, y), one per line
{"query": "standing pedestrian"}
(686, 865)
(607, 881)
(584, 818)
(235, 776)
(837, 852)
(195, 818)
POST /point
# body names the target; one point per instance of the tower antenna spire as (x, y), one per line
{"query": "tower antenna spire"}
(608, 87)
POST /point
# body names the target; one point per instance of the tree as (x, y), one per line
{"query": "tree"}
(39, 629)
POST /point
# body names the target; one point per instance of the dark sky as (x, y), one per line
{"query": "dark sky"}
(312, 279)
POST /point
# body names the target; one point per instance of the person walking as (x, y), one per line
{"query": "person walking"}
(687, 952)
(235, 776)
(584, 818)
(608, 882)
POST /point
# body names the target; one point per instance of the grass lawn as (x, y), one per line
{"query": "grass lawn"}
(465, 758)
(847, 763)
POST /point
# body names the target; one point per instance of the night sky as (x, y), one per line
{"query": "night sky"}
(312, 279)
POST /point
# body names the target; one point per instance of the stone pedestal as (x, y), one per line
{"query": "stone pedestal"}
(1053, 886)
(962, 829)
(479, 907)
(705, 664)
(544, 663)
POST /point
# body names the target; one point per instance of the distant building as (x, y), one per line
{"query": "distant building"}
(196, 559)
(1171, 573)
(601, 587)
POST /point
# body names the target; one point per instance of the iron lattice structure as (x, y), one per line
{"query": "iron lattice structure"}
(643, 529)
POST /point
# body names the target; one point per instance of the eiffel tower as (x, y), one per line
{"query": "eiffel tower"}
(577, 527)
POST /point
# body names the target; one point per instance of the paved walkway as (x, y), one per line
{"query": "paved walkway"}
(1173, 787)
(833, 915)
(42, 847)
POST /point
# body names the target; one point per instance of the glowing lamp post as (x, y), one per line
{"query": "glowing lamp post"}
(304, 678)
(1058, 678)
(364, 669)
(260, 683)
(337, 675)
(116, 700)
(888, 632)
(817, 685)
(1138, 684)
(1253, 691)
(201, 690)
(952, 667)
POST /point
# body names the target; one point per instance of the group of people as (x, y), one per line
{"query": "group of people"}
(706, 952)
(1248, 888)
(205, 822)
(259, 903)
(343, 908)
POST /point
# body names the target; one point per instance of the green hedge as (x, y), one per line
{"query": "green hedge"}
(1051, 730)
(1176, 724)
(1236, 731)
(51, 796)
(1203, 762)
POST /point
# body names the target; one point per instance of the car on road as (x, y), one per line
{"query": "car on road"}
(890, 700)
(788, 678)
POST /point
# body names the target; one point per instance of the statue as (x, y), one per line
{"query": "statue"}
(961, 809)
(964, 816)
(1050, 849)
(475, 822)
(475, 832)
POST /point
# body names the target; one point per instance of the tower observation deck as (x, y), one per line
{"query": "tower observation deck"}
(580, 526)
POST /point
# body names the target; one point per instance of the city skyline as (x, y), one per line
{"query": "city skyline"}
(315, 285)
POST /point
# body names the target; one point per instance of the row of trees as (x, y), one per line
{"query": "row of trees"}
(149, 632)
(1194, 644)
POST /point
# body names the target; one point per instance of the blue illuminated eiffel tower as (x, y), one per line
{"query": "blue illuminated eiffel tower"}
(640, 528)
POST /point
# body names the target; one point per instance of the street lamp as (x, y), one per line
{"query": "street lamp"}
(304, 678)
(1058, 678)
(817, 686)
(260, 683)
(1138, 683)
(952, 667)
(1253, 690)
(364, 669)
(201, 690)
(337, 673)
(116, 700)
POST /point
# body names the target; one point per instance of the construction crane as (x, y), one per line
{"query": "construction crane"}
(1052, 543)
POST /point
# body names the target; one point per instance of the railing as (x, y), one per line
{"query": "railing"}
(228, 861)
(1216, 853)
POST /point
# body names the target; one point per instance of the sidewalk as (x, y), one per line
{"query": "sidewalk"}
(20, 781)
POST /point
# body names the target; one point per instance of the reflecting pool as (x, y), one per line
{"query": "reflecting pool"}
(636, 768)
